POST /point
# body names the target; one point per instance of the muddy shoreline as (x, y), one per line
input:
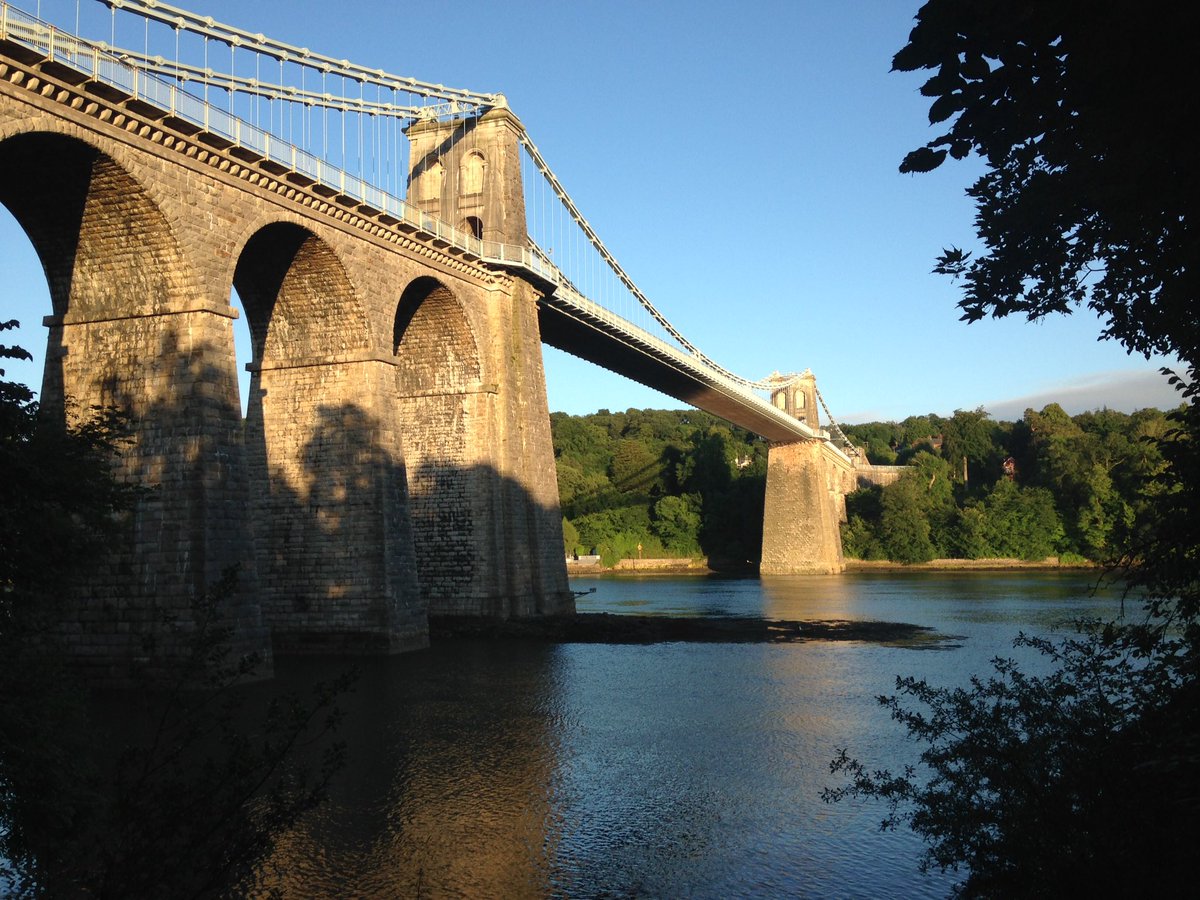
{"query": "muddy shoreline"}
(607, 628)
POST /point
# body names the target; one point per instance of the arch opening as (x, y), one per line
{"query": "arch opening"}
(472, 225)
(296, 301)
(106, 253)
(112, 266)
(26, 299)
(437, 378)
(320, 475)
(432, 339)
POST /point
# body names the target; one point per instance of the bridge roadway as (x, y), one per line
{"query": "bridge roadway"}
(591, 334)
(569, 320)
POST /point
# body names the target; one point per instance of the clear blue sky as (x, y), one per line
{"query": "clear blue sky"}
(741, 162)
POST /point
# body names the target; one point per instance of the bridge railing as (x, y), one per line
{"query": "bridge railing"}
(99, 62)
(697, 366)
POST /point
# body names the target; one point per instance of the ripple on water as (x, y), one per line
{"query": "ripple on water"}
(525, 770)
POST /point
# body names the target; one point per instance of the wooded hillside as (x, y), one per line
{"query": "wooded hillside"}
(684, 483)
(678, 482)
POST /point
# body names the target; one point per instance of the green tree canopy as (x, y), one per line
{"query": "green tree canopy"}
(635, 467)
(677, 522)
(904, 524)
(1089, 197)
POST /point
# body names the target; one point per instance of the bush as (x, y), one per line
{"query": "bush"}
(1076, 783)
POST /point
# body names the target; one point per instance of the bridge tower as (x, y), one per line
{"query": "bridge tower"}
(805, 488)
(482, 486)
(797, 396)
(467, 172)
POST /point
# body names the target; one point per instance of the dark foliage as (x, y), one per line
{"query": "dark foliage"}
(176, 789)
(1081, 111)
(1082, 781)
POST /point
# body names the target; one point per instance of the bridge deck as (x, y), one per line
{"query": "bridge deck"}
(569, 320)
(568, 328)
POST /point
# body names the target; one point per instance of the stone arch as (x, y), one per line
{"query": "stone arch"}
(471, 173)
(432, 340)
(321, 474)
(106, 248)
(298, 298)
(131, 329)
(472, 225)
(437, 379)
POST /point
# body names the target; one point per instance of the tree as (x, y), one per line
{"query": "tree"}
(1090, 193)
(860, 539)
(1021, 522)
(635, 469)
(970, 436)
(570, 537)
(904, 524)
(939, 506)
(1051, 785)
(677, 522)
(59, 504)
(968, 534)
(1084, 780)
(878, 438)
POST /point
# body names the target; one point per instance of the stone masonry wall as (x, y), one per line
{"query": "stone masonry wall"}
(142, 226)
(437, 365)
(800, 516)
(127, 332)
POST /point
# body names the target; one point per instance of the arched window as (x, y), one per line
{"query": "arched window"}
(434, 179)
(471, 172)
(472, 225)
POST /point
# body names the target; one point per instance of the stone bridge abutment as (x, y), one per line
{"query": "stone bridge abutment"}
(395, 457)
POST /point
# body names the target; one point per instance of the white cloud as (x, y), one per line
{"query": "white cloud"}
(1123, 391)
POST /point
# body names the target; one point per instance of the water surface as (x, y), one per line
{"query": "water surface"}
(672, 770)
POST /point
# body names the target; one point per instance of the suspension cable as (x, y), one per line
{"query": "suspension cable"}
(228, 34)
(453, 102)
(851, 450)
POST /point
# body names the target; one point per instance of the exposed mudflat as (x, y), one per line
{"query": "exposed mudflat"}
(606, 628)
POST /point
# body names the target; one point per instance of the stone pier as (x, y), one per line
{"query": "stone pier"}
(801, 534)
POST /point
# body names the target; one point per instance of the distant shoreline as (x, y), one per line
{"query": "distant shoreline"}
(957, 565)
(627, 567)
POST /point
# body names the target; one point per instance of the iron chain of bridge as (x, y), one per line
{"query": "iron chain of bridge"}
(163, 83)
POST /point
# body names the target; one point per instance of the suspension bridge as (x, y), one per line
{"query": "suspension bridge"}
(400, 250)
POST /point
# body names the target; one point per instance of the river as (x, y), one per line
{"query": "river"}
(512, 769)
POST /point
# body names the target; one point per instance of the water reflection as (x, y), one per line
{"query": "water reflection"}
(521, 770)
(447, 791)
